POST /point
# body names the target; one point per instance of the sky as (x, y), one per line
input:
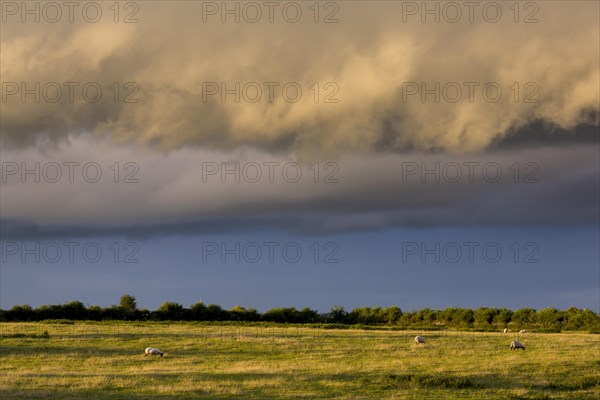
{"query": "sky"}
(418, 154)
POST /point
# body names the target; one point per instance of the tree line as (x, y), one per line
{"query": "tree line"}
(483, 318)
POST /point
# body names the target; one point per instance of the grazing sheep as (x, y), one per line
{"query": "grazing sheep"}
(419, 339)
(523, 331)
(505, 330)
(516, 345)
(150, 351)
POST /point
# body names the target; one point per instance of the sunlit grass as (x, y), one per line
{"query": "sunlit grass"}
(105, 361)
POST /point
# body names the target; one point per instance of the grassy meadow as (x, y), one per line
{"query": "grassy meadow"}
(88, 360)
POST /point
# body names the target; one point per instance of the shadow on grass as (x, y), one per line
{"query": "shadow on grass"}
(576, 383)
(49, 351)
(219, 386)
(424, 381)
(104, 394)
(487, 381)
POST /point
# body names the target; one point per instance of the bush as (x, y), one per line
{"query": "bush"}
(171, 311)
(548, 320)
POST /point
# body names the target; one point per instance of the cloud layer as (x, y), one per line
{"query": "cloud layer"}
(369, 56)
(191, 191)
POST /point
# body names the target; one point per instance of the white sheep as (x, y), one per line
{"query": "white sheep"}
(150, 351)
(523, 331)
(505, 330)
(516, 345)
(419, 339)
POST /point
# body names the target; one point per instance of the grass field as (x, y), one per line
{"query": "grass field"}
(89, 360)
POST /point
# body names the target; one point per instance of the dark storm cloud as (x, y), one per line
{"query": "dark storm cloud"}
(25, 230)
(540, 133)
(540, 186)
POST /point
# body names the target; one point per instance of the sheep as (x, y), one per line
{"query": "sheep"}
(516, 346)
(419, 339)
(150, 351)
(505, 330)
(523, 331)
